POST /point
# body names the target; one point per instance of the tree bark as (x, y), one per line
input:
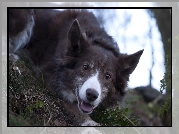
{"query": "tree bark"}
(163, 20)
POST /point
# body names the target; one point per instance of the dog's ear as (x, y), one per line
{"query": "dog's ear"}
(127, 64)
(130, 61)
(76, 39)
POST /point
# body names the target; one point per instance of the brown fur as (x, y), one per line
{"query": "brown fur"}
(63, 41)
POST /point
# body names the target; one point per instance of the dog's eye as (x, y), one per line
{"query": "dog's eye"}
(85, 67)
(108, 76)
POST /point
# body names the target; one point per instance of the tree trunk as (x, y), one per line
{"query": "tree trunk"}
(163, 20)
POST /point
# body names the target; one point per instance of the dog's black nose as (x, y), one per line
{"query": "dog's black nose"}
(91, 94)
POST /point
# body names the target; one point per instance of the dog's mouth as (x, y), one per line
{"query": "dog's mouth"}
(85, 106)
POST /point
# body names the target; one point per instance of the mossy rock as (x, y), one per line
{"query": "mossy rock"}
(30, 103)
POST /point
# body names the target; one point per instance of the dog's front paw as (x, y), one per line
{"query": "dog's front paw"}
(90, 123)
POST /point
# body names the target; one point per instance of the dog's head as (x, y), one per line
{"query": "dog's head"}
(92, 71)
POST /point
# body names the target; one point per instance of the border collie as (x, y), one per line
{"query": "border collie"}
(80, 62)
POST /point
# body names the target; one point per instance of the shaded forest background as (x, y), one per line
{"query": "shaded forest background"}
(144, 104)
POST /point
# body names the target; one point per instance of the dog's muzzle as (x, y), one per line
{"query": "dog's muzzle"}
(87, 106)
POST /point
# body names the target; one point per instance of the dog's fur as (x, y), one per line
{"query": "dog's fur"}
(81, 63)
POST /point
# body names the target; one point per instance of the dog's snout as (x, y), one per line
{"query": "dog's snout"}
(91, 94)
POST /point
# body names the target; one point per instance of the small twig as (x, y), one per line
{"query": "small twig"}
(49, 117)
(129, 120)
(131, 123)
(159, 97)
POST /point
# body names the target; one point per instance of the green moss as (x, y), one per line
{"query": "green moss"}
(29, 100)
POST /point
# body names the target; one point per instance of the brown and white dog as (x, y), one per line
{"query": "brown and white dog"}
(81, 63)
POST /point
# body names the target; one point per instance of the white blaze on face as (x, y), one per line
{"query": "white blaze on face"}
(92, 83)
